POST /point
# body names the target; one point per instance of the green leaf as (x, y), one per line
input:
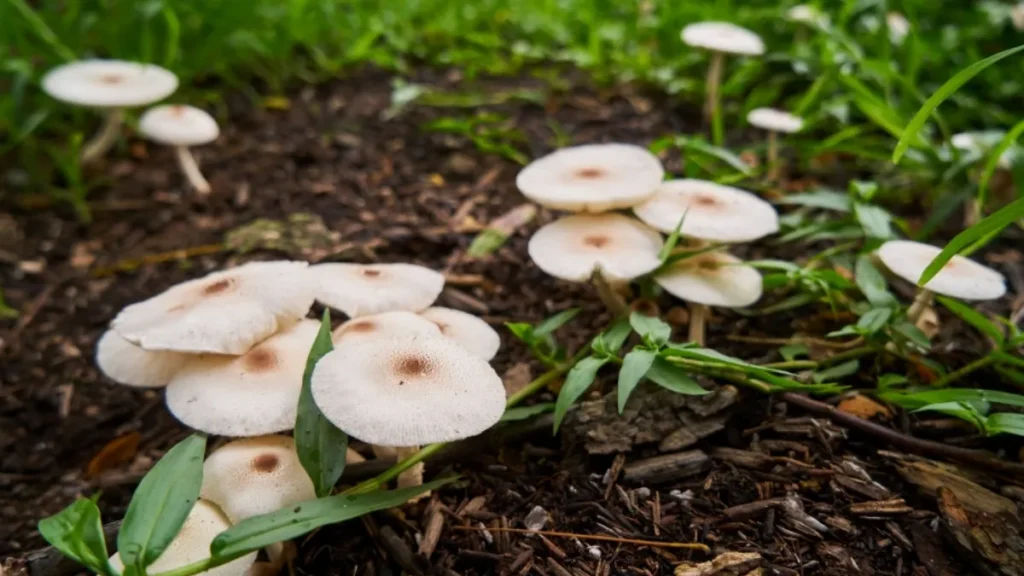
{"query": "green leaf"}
(1005, 423)
(523, 331)
(986, 228)
(615, 336)
(974, 318)
(576, 384)
(673, 239)
(872, 283)
(826, 199)
(321, 446)
(634, 366)
(650, 327)
(790, 352)
(912, 333)
(910, 133)
(555, 322)
(161, 503)
(994, 157)
(914, 400)
(877, 223)
(524, 412)
(672, 377)
(836, 372)
(737, 163)
(890, 380)
(873, 320)
(283, 525)
(962, 410)
(78, 533)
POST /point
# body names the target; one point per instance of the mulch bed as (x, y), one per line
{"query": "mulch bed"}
(809, 497)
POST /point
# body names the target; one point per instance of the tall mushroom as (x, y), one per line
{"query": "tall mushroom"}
(774, 121)
(112, 86)
(181, 126)
(714, 212)
(362, 289)
(720, 38)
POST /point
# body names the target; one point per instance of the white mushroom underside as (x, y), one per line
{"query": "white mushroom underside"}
(730, 284)
(573, 248)
(178, 125)
(126, 363)
(961, 278)
(723, 37)
(362, 289)
(713, 212)
(109, 83)
(466, 330)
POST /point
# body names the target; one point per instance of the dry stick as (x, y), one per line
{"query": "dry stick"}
(773, 155)
(185, 253)
(598, 537)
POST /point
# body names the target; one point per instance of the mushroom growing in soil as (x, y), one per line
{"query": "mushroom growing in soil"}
(710, 279)
(467, 330)
(592, 178)
(362, 289)
(126, 363)
(960, 278)
(714, 212)
(253, 394)
(110, 85)
(720, 38)
(395, 324)
(181, 126)
(774, 121)
(225, 312)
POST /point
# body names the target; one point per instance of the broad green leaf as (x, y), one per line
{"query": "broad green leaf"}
(616, 336)
(522, 330)
(913, 128)
(78, 533)
(650, 327)
(579, 379)
(634, 366)
(877, 223)
(987, 227)
(553, 323)
(1005, 423)
(974, 318)
(914, 400)
(874, 320)
(283, 525)
(524, 412)
(826, 199)
(161, 503)
(672, 377)
(872, 283)
(836, 372)
(994, 157)
(320, 444)
(962, 410)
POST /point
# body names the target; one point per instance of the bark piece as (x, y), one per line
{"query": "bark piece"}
(726, 564)
(994, 542)
(667, 468)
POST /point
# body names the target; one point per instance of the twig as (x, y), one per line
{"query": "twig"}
(800, 340)
(964, 371)
(183, 254)
(598, 537)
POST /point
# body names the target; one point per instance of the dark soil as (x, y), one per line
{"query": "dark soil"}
(389, 190)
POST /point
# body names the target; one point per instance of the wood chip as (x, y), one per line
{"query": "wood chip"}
(727, 564)
(891, 507)
(668, 467)
(434, 526)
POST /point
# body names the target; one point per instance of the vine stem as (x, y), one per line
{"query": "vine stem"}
(805, 364)
(964, 371)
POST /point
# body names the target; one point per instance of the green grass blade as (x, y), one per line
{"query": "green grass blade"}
(986, 228)
(993, 161)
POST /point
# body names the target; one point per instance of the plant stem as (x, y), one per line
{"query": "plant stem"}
(698, 318)
(773, 155)
(104, 139)
(191, 170)
(712, 111)
(964, 371)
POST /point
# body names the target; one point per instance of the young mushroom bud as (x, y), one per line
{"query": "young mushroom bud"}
(363, 289)
(774, 121)
(720, 38)
(714, 212)
(181, 127)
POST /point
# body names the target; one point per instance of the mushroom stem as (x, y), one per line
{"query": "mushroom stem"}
(191, 170)
(698, 318)
(413, 476)
(95, 148)
(609, 297)
(711, 108)
(773, 155)
(922, 301)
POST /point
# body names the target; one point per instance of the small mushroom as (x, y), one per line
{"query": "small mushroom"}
(774, 121)
(384, 325)
(720, 38)
(592, 178)
(467, 330)
(960, 278)
(1017, 16)
(710, 279)
(192, 544)
(181, 126)
(126, 363)
(110, 85)
(249, 395)
(224, 312)
(807, 14)
(714, 212)
(363, 289)
(899, 27)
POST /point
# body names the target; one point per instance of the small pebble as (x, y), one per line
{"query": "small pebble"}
(536, 519)
(594, 552)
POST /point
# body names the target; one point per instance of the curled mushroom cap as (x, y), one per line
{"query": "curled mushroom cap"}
(723, 37)
(713, 279)
(249, 395)
(775, 120)
(178, 125)
(126, 363)
(255, 476)
(408, 391)
(361, 289)
(960, 278)
(467, 330)
(192, 544)
(714, 212)
(222, 313)
(592, 178)
(395, 324)
(109, 83)
(573, 248)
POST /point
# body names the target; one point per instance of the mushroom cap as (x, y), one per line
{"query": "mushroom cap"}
(723, 37)
(362, 289)
(898, 26)
(574, 247)
(249, 395)
(408, 391)
(126, 363)
(775, 120)
(222, 313)
(807, 14)
(714, 279)
(109, 83)
(192, 544)
(960, 278)
(178, 125)
(714, 212)
(395, 324)
(465, 329)
(592, 178)
(255, 476)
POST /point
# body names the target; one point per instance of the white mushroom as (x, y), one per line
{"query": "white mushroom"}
(467, 330)
(112, 85)
(126, 363)
(222, 313)
(960, 278)
(807, 14)
(1017, 16)
(774, 121)
(720, 38)
(714, 212)
(363, 289)
(711, 279)
(898, 26)
(181, 126)
(592, 178)
(249, 395)
(395, 324)
(192, 544)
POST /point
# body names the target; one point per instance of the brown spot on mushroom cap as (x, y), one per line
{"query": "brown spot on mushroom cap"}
(262, 359)
(265, 463)
(597, 241)
(589, 173)
(412, 366)
(702, 200)
(360, 326)
(111, 79)
(371, 273)
(217, 287)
